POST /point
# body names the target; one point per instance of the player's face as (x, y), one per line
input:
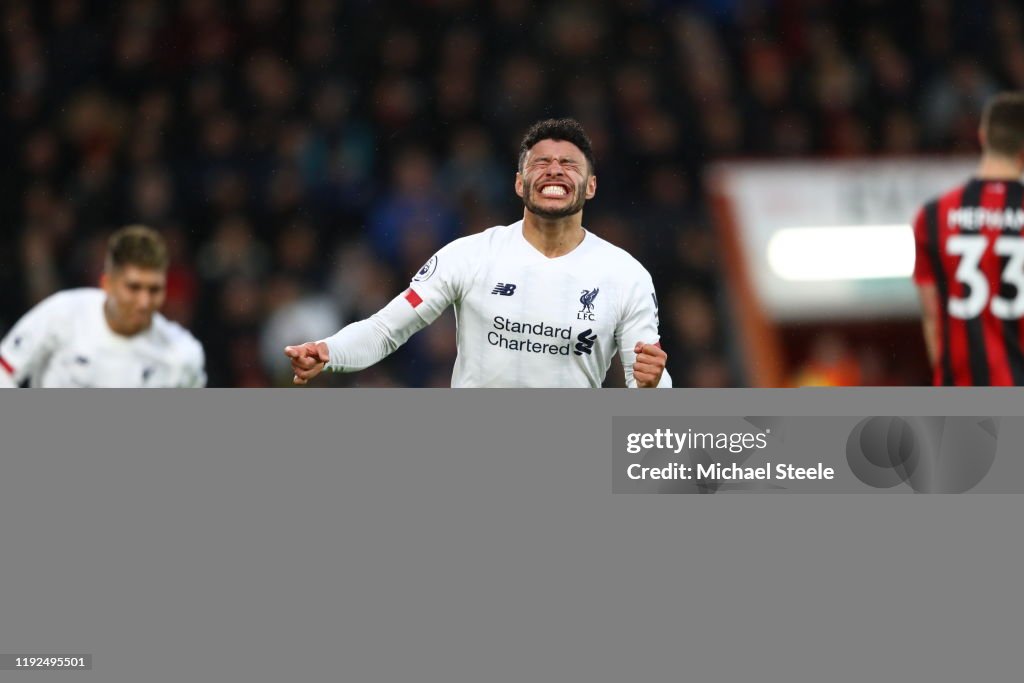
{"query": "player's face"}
(555, 180)
(133, 295)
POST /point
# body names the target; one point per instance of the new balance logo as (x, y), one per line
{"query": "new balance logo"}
(585, 343)
(503, 289)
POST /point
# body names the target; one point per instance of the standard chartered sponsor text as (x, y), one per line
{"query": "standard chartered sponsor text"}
(537, 329)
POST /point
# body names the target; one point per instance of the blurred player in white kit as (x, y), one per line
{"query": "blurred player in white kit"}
(539, 303)
(113, 336)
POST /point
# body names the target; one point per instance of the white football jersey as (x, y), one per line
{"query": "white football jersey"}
(65, 341)
(526, 320)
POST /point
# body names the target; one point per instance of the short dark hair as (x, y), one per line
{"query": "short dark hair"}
(137, 245)
(1003, 123)
(568, 130)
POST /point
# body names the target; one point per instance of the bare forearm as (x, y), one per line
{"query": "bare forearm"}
(930, 320)
(930, 330)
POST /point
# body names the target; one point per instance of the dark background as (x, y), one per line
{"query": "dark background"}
(305, 158)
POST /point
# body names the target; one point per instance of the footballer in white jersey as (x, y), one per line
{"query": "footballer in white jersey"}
(110, 337)
(65, 341)
(539, 303)
(526, 320)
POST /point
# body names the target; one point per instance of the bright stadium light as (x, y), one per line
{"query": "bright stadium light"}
(842, 252)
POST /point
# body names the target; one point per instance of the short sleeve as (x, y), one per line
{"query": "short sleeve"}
(923, 271)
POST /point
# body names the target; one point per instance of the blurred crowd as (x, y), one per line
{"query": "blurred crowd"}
(305, 158)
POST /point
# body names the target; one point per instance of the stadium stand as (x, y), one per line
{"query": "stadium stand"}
(305, 158)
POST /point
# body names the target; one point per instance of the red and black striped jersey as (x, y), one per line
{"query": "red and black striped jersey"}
(970, 247)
